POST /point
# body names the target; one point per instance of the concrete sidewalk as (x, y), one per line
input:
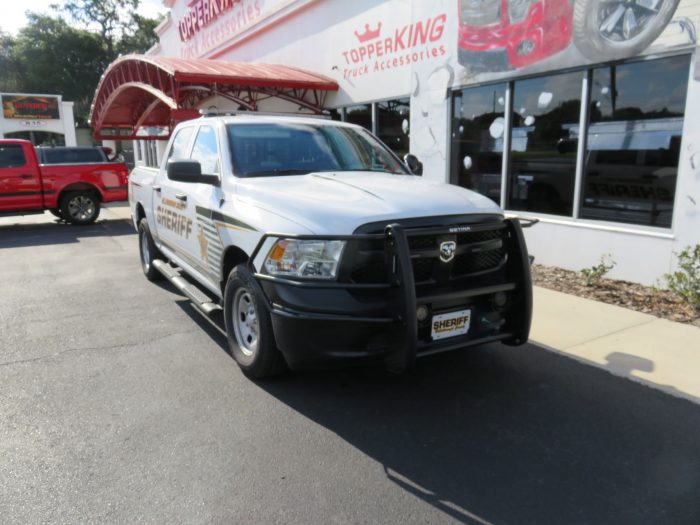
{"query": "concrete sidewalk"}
(658, 353)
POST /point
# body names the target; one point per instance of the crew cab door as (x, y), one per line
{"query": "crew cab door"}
(173, 225)
(179, 226)
(20, 179)
(205, 246)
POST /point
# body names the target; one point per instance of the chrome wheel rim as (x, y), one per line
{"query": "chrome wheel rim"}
(145, 252)
(623, 20)
(245, 322)
(81, 208)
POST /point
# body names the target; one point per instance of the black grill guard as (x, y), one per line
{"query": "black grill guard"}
(326, 323)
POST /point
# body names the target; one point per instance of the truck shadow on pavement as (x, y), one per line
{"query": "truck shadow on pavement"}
(57, 232)
(512, 435)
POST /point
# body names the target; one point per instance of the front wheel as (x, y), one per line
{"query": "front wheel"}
(249, 327)
(80, 207)
(614, 29)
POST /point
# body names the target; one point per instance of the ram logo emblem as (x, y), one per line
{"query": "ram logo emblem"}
(447, 251)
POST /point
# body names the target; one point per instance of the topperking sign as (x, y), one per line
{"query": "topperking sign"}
(30, 107)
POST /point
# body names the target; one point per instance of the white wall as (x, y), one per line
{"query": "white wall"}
(65, 125)
(686, 214)
(640, 257)
(68, 123)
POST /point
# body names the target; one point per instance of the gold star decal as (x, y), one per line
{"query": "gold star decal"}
(203, 243)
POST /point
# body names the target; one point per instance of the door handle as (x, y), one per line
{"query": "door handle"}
(181, 197)
(156, 188)
(25, 176)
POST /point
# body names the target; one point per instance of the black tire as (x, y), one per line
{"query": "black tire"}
(56, 212)
(262, 358)
(588, 36)
(80, 207)
(148, 252)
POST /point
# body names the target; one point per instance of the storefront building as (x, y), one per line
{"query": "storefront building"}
(576, 112)
(43, 119)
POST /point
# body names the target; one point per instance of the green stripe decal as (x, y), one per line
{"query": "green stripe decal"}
(218, 216)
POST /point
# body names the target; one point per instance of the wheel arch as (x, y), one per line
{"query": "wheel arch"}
(140, 213)
(79, 186)
(233, 256)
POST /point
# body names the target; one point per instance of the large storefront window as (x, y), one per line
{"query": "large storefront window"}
(633, 145)
(478, 128)
(393, 121)
(633, 127)
(543, 152)
(360, 115)
(335, 114)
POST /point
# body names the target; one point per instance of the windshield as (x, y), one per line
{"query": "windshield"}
(267, 149)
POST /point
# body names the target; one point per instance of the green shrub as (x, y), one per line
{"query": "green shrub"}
(685, 281)
(595, 273)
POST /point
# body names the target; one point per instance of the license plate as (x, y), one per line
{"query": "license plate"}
(451, 324)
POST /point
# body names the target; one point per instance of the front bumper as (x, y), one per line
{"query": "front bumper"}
(326, 324)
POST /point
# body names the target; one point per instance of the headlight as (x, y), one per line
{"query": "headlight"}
(304, 258)
(518, 9)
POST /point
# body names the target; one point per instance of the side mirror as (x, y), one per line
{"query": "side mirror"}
(413, 164)
(190, 171)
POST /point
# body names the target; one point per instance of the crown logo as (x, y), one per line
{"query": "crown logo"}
(369, 34)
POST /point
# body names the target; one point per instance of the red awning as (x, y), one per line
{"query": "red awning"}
(138, 92)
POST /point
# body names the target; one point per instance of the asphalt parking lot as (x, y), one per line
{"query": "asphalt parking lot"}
(119, 403)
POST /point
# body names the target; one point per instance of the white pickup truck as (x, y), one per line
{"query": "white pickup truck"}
(320, 247)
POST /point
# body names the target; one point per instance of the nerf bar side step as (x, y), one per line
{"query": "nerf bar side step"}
(194, 294)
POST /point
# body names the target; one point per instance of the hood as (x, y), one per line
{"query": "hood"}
(338, 203)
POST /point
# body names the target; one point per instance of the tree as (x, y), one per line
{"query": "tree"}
(57, 58)
(140, 36)
(111, 17)
(9, 78)
(52, 56)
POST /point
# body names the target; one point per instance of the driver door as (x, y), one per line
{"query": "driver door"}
(173, 225)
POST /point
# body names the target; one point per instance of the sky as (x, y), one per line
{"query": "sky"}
(12, 18)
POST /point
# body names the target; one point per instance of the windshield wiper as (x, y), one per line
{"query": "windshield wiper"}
(274, 172)
(377, 170)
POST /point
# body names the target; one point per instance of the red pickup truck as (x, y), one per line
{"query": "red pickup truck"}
(72, 192)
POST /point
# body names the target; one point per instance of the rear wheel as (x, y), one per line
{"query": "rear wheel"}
(249, 327)
(80, 207)
(148, 252)
(56, 212)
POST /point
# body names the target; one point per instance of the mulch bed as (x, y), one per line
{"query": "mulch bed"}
(646, 299)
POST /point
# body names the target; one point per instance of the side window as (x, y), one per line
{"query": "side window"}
(12, 156)
(179, 145)
(205, 151)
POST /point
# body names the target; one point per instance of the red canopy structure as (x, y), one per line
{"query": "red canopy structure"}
(138, 92)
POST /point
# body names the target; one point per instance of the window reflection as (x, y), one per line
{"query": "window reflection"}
(335, 114)
(206, 151)
(478, 128)
(634, 141)
(393, 123)
(178, 148)
(360, 115)
(543, 152)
